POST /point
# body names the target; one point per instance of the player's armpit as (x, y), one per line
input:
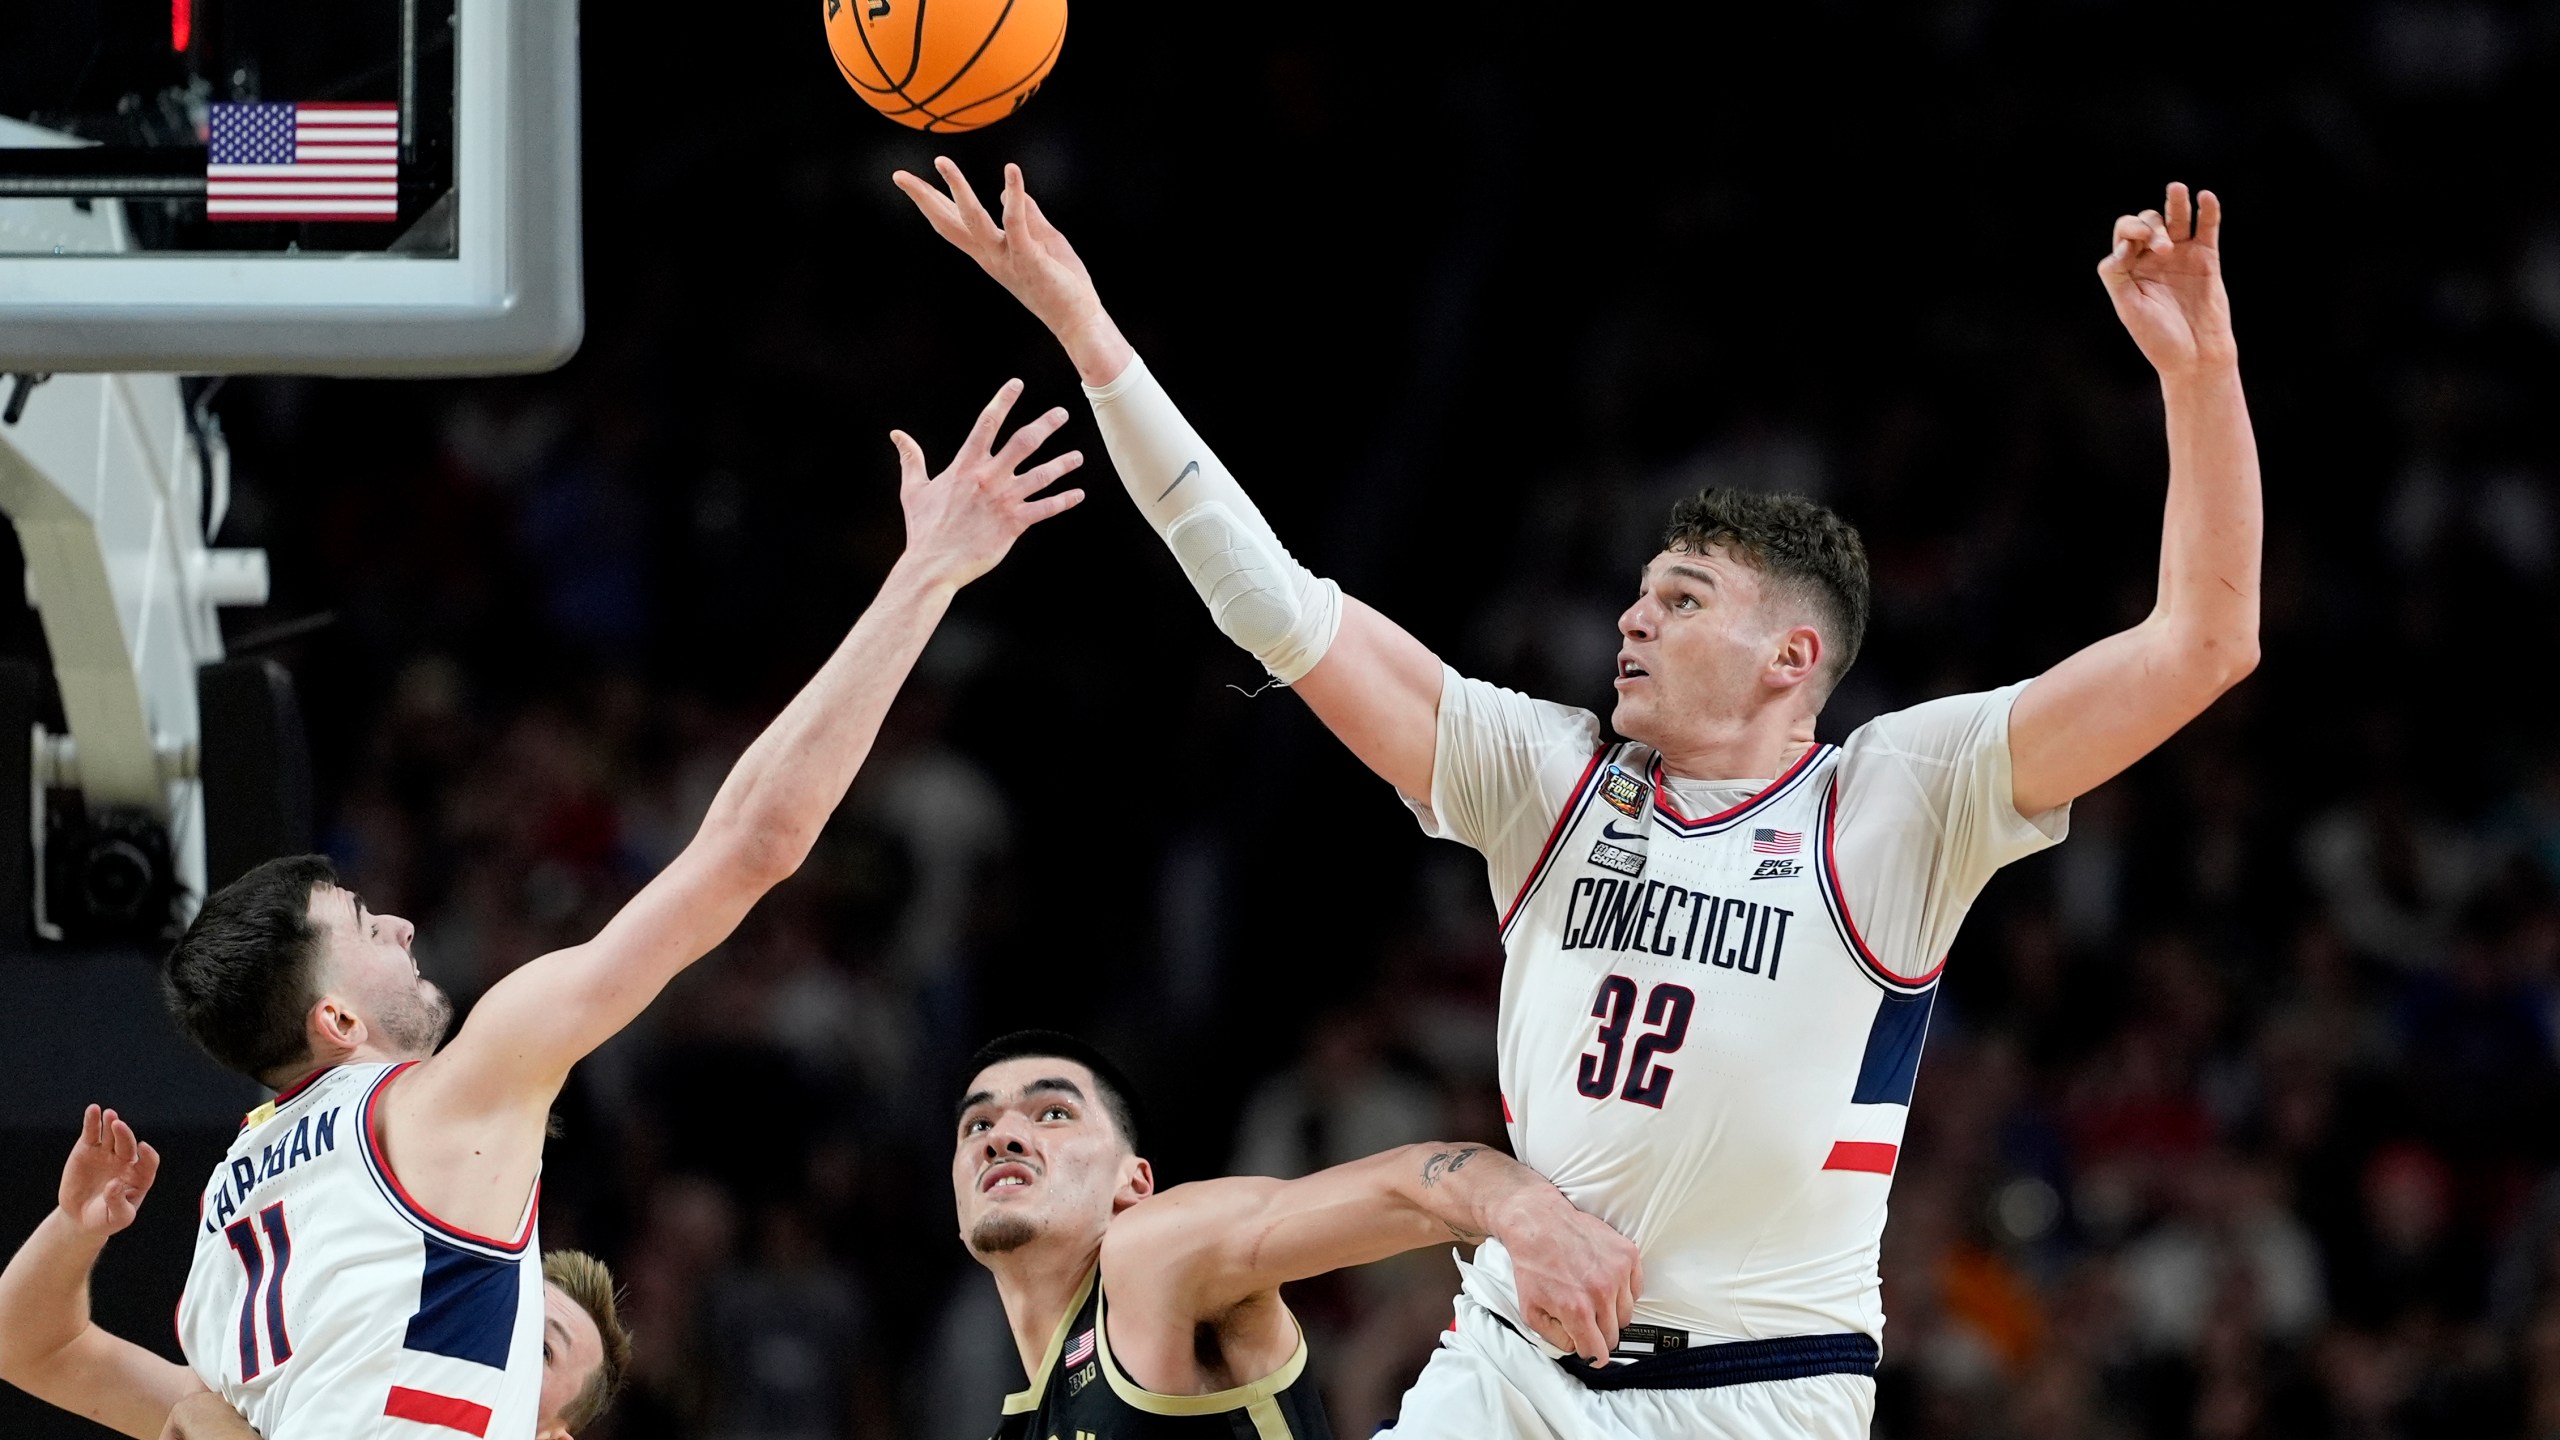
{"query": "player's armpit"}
(1378, 690)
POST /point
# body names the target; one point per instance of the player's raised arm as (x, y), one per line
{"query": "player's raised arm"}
(521, 1039)
(1372, 683)
(48, 1345)
(1209, 1246)
(2089, 717)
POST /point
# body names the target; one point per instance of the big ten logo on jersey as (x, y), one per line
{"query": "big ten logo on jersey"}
(1654, 917)
(313, 1136)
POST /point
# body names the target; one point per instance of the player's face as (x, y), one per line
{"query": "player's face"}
(1699, 646)
(1039, 1159)
(367, 965)
(572, 1348)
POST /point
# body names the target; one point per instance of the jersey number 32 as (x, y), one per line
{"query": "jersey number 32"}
(1666, 1014)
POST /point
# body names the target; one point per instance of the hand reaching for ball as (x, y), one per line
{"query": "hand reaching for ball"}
(1028, 257)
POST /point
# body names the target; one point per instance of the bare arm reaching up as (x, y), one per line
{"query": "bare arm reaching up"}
(2089, 717)
(467, 1126)
(1371, 682)
(48, 1345)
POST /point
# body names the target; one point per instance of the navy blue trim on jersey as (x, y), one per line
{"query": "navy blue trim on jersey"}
(1891, 1068)
(1742, 1362)
(1826, 871)
(1575, 804)
(1723, 820)
(466, 1306)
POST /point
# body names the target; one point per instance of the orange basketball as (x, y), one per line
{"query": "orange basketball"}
(945, 65)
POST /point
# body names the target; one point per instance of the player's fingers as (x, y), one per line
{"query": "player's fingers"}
(1026, 442)
(982, 436)
(2209, 220)
(145, 1170)
(1048, 472)
(911, 471)
(938, 210)
(90, 1126)
(972, 214)
(2180, 210)
(121, 1135)
(2162, 242)
(1048, 505)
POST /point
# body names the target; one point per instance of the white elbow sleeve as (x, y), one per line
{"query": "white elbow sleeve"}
(1259, 595)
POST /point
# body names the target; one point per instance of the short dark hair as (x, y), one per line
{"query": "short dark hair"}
(1798, 543)
(240, 982)
(1117, 1096)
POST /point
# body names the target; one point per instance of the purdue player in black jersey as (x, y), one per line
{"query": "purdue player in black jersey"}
(1157, 1316)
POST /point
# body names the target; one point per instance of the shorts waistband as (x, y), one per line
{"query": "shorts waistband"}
(1737, 1362)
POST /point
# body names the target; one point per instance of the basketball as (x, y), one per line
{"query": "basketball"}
(946, 65)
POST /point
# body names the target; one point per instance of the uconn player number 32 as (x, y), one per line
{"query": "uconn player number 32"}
(1666, 1011)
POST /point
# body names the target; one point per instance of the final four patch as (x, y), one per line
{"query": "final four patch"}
(1625, 793)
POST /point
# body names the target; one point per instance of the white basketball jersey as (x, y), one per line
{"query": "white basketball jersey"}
(324, 1304)
(1697, 1043)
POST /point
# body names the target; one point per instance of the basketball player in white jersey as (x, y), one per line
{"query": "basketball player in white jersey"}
(367, 1260)
(1723, 936)
(50, 1348)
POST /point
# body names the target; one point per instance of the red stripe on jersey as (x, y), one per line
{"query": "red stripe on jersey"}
(1840, 901)
(1871, 1156)
(428, 1408)
(1506, 1111)
(1571, 803)
(382, 1163)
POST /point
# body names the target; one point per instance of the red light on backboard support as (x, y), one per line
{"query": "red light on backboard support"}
(182, 24)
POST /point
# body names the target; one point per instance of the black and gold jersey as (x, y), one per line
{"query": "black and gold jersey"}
(1079, 1393)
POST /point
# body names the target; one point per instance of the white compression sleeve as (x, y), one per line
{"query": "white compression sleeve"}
(1259, 595)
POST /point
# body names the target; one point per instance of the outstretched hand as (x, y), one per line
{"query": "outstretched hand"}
(1027, 256)
(961, 522)
(107, 1175)
(2165, 276)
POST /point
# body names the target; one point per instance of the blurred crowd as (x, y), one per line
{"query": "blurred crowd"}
(2240, 1114)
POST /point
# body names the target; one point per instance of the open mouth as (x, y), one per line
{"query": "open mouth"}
(1628, 669)
(1011, 1175)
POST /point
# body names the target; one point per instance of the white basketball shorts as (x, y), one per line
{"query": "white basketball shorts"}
(1487, 1383)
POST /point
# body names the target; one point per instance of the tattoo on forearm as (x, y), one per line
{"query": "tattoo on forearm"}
(1446, 1161)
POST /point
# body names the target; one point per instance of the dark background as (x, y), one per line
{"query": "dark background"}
(2237, 1118)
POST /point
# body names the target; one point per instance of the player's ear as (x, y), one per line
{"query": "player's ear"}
(334, 1029)
(1797, 658)
(1137, 1182)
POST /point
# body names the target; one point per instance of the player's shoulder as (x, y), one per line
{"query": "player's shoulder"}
(1934, 728)
(1516, 714)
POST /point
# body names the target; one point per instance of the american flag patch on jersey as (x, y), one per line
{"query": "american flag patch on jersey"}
(1079, 1352)
(1777, 842)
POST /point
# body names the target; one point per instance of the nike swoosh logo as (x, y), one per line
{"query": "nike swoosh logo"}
(1187, 472)
(1611, 830)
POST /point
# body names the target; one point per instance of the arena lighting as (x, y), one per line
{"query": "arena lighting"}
(182, 24)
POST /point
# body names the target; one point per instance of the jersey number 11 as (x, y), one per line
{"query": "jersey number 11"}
(265, 1278)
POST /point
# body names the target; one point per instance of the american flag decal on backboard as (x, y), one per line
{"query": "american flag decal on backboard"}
(303, 162)
(1079, 1352)
(1777, 842)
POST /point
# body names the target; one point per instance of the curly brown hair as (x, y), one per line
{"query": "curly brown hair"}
(1801, 546)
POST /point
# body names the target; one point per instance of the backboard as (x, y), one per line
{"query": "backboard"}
(352, 187)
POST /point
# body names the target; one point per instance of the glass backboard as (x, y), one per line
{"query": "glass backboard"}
(311, 186)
